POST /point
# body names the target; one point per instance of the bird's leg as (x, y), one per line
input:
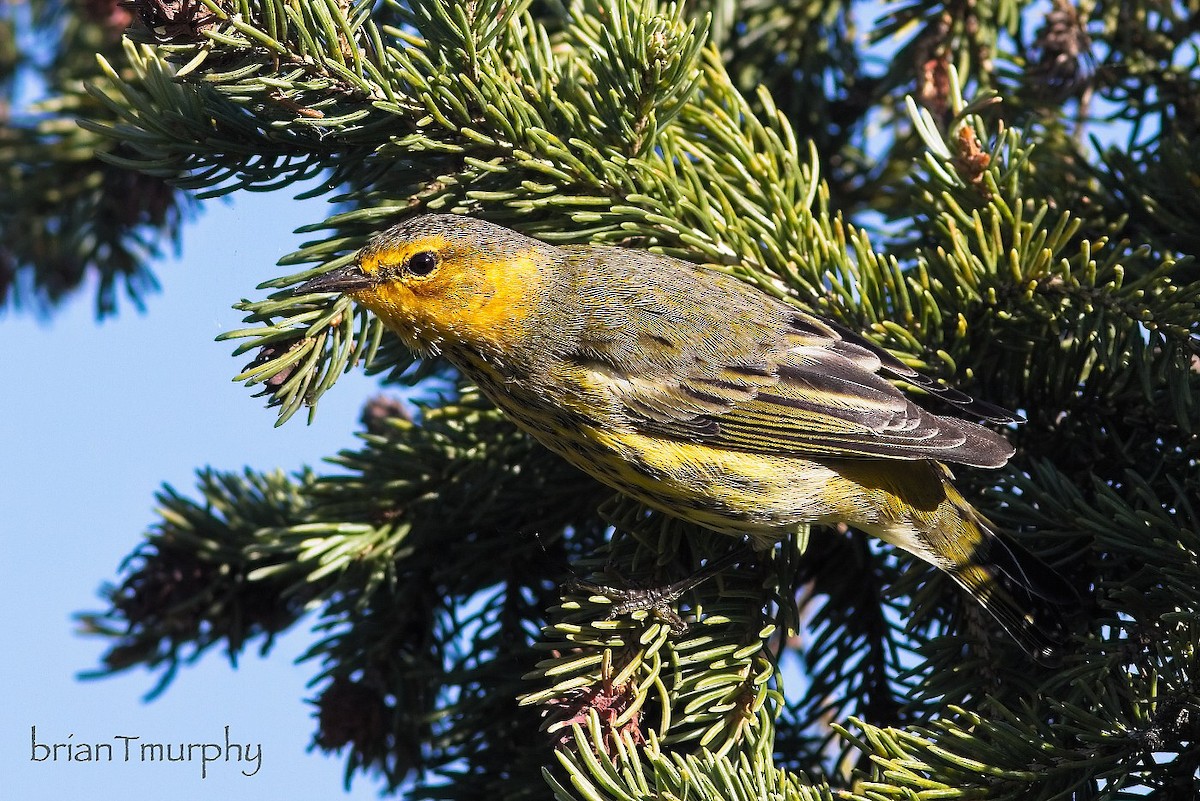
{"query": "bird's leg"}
(660, 600)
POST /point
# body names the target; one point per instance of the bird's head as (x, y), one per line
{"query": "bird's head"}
(443, 280)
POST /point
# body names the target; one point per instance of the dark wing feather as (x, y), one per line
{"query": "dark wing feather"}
(829, 401)
(747, 372)
(895, 368)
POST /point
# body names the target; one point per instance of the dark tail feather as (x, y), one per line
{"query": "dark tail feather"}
(1025, 570)
(1025, 595)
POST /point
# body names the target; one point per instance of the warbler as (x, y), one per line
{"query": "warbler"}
(703, 397)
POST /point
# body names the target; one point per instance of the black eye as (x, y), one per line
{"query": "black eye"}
(422, 263)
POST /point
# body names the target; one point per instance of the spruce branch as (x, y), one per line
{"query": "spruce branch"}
(192, 585)
(647, 61)
(601, 765)
(999, 242)
(206, 140)
(707, 684)
(68, 217)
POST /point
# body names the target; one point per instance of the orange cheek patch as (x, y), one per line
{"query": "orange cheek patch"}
(504, 308)
(485, 305)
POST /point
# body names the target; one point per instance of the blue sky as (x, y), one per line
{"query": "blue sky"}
(94, 417)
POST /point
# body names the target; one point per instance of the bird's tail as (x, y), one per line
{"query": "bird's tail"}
(1025, 595)
(919, 510)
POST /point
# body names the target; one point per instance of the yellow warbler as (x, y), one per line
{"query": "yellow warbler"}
(701, 396)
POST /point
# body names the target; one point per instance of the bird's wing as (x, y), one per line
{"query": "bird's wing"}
(817, 391)
(699, 356)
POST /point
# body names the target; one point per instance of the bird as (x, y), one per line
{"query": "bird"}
(705, 398)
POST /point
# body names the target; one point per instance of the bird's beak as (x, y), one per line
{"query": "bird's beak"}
(350, 278)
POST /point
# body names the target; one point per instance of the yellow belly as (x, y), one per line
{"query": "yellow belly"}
(726, 491)
(762, 496)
